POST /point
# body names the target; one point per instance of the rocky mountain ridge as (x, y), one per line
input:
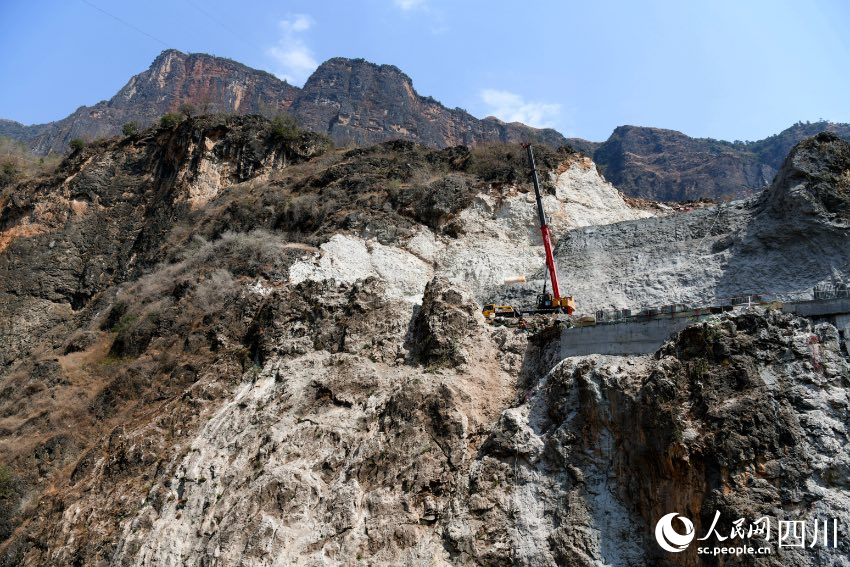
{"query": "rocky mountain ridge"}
(223, 346)
(210, 84)
(352, 100)
(357, 102)
(669, 166)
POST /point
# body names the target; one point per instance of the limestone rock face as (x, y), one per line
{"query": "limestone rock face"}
(745, 416)
(813, 186)
(447, 317)
(781, 244)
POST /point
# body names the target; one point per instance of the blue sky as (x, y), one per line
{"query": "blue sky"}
(722, 69)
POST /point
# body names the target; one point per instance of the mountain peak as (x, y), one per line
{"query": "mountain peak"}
(357, 101)
(166, 54)
(359, 65)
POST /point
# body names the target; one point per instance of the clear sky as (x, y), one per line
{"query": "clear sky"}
(723, 69)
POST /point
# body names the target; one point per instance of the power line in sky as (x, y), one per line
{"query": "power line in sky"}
(126, 23)
(238, 36)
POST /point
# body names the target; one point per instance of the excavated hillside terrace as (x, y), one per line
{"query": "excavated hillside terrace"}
(253, 350)
(781, 244)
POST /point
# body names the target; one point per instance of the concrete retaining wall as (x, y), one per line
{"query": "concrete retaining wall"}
(646, 337)
(818, 307)
(624, 338)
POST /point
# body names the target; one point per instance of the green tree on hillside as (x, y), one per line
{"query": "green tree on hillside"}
(170, 120)
(8, 173)
(283, 128)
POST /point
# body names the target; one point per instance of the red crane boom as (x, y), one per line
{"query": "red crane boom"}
(553, 300)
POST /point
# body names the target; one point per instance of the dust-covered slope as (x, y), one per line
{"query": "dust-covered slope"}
(226, 346)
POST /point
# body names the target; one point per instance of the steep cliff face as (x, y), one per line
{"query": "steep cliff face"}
(666, 165)
(222, 347)
(358, 102)
(362, 103)
(745, 416)
(210, 84)
(352, 100)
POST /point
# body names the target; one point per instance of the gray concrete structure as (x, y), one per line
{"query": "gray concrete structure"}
(818, 307)
(641, 337)
(645, 337)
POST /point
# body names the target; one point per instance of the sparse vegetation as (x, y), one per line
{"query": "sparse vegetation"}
(130, 128)
(507, 163)
(17, 162)
(170, 120)
(283, 128)
(181, 299)
(10, 494)
(8, 173)
(188, 110)
(77, 144)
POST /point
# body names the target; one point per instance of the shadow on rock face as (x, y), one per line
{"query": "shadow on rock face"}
(448, 316)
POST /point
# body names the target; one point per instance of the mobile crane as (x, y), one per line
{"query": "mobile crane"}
(546, 302)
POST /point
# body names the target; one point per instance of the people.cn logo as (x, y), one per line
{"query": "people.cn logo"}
(671, 540)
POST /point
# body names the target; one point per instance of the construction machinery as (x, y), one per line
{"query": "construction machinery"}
(547, 302)
(492, 310)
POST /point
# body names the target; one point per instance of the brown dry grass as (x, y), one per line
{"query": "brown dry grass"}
(19, 231)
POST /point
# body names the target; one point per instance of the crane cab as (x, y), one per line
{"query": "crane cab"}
(547, 301)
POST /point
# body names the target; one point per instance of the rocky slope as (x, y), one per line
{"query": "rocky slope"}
(222, 347)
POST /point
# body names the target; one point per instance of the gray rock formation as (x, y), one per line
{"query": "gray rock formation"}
(745, 416)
